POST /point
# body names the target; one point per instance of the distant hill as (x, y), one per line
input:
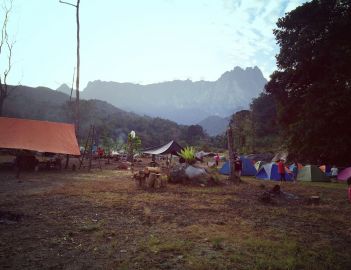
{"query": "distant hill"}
(214, 125)
(184, 102)
(38, 103)
(46, 104)
(65, 89)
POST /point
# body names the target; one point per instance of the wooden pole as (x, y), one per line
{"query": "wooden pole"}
(232, 177)
(91, 147)
(78, 64)
(78, 68)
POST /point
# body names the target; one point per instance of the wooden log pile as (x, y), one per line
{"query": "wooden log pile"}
(150, 177)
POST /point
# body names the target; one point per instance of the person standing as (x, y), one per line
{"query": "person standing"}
(334, 173)
(295, 169)
(217, 158)
(281, 170)
(238, 166)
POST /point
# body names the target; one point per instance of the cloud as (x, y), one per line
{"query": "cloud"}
(251, 25)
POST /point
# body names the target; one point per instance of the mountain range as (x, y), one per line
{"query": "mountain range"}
(43, 103)
(182, 101)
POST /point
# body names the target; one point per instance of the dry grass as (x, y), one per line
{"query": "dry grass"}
(101, 220)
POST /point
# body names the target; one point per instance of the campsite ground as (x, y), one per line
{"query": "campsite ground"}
(101, 220)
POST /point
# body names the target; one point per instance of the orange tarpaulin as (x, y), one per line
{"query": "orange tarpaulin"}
(40, 136)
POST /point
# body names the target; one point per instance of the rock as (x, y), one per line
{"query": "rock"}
(188, 174)
(194, 172)
(177, 174)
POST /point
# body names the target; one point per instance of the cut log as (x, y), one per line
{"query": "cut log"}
(148, 170)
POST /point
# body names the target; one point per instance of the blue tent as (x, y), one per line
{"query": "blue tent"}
(225, 168)
(270, 172)
(248, 169)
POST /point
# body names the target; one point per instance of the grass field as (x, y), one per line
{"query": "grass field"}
(101, 220)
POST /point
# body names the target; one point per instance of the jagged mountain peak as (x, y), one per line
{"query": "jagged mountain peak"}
(183, 101)
(64, 88)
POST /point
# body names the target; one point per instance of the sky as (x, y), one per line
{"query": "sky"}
(141, 41)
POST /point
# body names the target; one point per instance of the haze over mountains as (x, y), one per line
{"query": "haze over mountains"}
(182, 101)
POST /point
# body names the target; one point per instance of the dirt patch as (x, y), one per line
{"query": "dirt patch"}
(7, 217)
(101, 220)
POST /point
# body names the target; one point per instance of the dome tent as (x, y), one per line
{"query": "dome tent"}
(312, 173)
(344, 174)
(248, 168)
(270, 172)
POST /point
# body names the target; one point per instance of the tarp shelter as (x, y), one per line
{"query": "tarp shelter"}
(344, 174)
(39, 136)
(170, 148)
(312, 173)
(203, 154)
(248, 169)
(270, 172)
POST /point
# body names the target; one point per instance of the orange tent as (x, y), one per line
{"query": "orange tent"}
(40, 136)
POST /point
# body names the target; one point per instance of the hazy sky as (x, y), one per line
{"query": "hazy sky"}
(142, 41)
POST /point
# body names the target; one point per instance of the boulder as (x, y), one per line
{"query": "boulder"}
(177, 173)
(194, 172)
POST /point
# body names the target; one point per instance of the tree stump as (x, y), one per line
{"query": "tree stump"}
(158, 181)
(150, 181)
(164, 181)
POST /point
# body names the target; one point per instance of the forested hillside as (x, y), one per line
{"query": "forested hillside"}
(45, 104)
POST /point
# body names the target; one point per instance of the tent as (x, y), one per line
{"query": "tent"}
(248, 168)
(259, 164)
(172, 148)
(325, 169)
(270, 172)
(39, 136)
(344, 174)
(312, 173)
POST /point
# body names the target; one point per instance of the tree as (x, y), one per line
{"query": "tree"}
(6, 47)
(133, 145)
(241, 124)
(312, 85)
(232, 156)
(264, 123)
(194, 134)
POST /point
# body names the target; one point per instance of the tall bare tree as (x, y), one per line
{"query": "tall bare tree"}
(232, 156)
(78, 63)
(6, 47)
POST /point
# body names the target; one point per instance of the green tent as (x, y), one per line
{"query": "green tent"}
(312, 173)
